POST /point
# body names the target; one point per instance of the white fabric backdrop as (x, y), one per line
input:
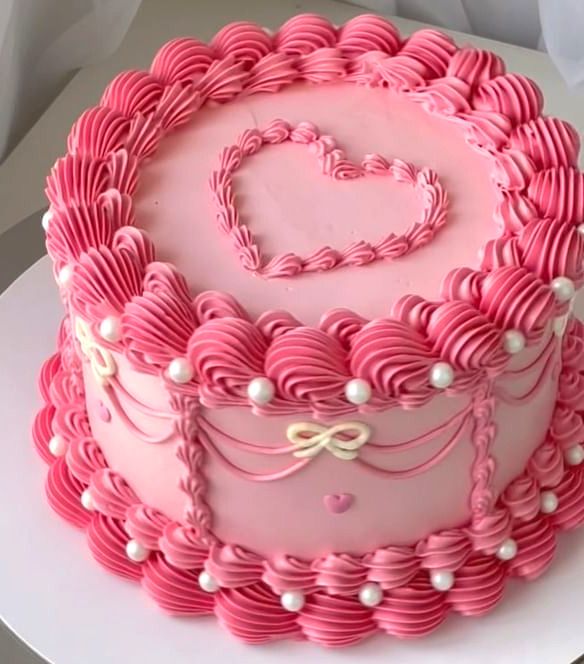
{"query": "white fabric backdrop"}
(43, 42)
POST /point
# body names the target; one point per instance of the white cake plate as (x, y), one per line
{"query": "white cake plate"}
(58, 600)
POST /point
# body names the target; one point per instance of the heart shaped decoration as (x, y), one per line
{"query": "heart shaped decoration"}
(335, 164)
(337, 503)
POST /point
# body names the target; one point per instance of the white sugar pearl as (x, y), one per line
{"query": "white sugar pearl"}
(261, 390)
(563, 289)
(358, 391)
(57, 446)
(87, 500)
(548, 501)
(136, 552)
(46, 220)
(514, 341)
(208, 582)
(580, 229)
(65, 275)
(574, 455)
(442, 579)
(370, 594)
(559, 325)
(507, 550)
(180, 370)
(292, 600)
(441, 375)
(110, 329)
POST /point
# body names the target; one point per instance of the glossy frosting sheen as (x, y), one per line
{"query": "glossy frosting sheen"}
(318, 373)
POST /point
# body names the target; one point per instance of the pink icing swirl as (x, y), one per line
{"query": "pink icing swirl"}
(514, 95)
(514, 211)
(104, 280)
(392, 567)
(513, 298)
(573, 346)
(444, 96)
(271, 73)
(145, 525)
(48, 371)
(284, 572)
(176, 591)
(181, 60)
(209, 305)
(479, 586)
(107, 542)
(182, 547)
(548, 142)
(366, 33)
(305, 33)
(340, 574)
(245, 41)
(558, 193)
(567, 427)
(63, 492)
(178, 104)
(521, 498)
(76, 179)
(448, 549)
(551, 249)
(342, 324)
(570, 492)
(432, 48)
(500, 252)
(223, 81)
(97, 132)
(571, 388)
(111, 494)
(84, 457)
(335, 621)
(413, 610)
(226, 354)
(254, 615)
(547, 464)
(233, 566)
(42, 432)
(475, 66)
(465, 338)
(132, 93)
(536, 547)
(157, 327)
(322, 66)
(512, 170)
(393, 359)
(307, 365)
(485, 130)
(488, 532)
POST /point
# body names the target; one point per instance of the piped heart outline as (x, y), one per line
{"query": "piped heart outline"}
(333, 163)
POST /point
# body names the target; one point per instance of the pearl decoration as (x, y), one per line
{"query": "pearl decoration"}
(180, 370)
(57, 446)
(65, 275)
(110, 329)
(441, 579)
(358, 391)
(136, 552)
(441, 375)
(208, 582)
(261, 390)
(46, 220)
(292, 600)
(574, 455)
(513, 341)
(507, 550)
(370, 594)
(87, 500)
(549, 502)
(563, 289)
(580, 229)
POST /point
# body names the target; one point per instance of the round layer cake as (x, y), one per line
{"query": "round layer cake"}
(318, 373)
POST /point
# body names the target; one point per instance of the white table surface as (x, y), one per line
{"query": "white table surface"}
(22, 175)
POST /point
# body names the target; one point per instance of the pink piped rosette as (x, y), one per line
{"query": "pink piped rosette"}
(107, 269)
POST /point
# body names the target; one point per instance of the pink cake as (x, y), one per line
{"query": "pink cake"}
(317, 373)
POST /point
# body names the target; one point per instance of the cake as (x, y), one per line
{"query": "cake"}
(318, 373)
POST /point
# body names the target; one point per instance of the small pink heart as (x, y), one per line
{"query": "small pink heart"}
(337, 503)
